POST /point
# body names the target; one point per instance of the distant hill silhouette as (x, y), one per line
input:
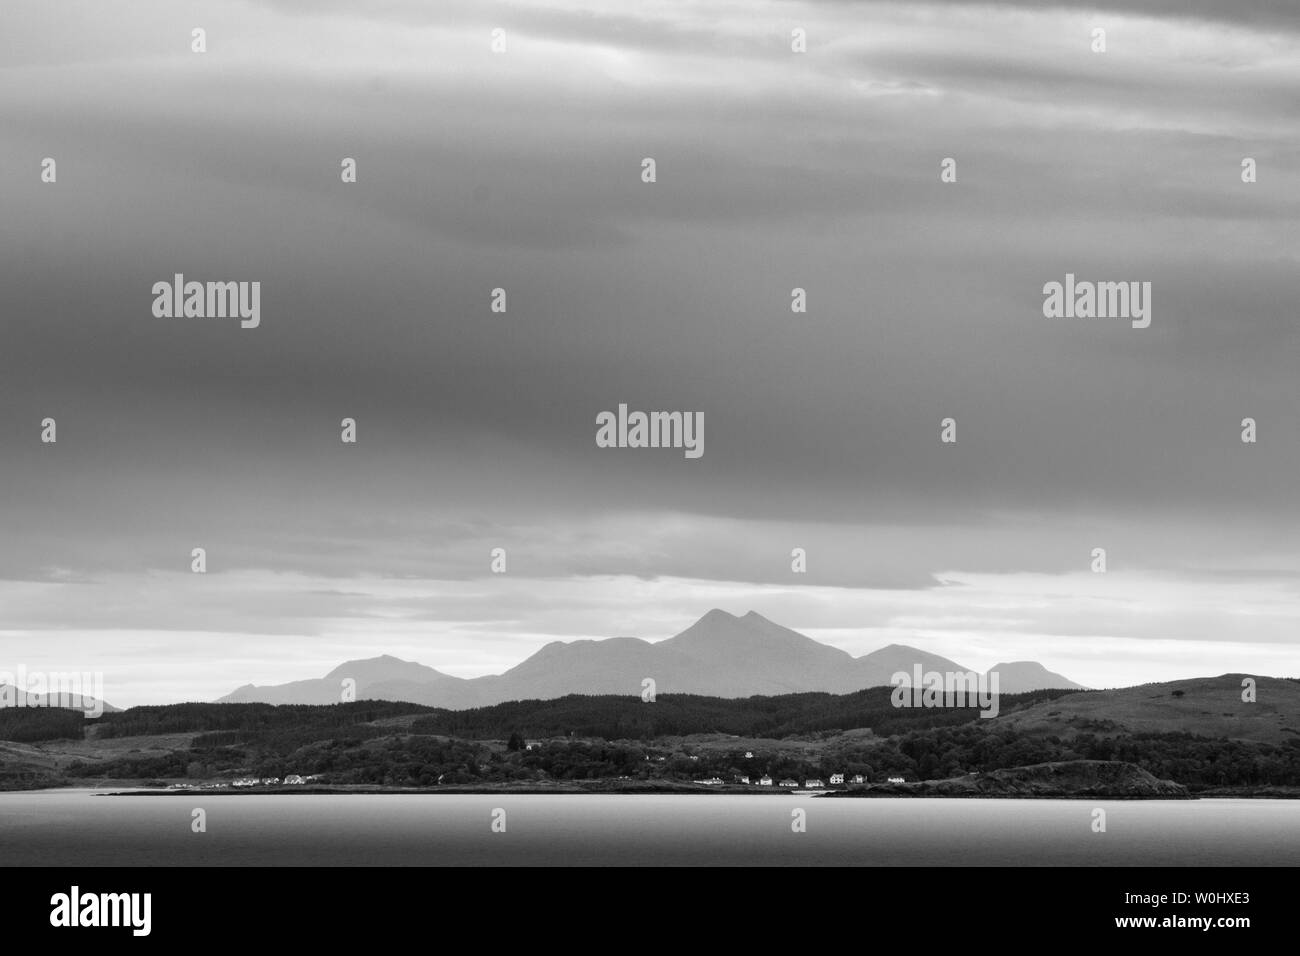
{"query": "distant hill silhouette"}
(1019, 676)
(720, 655)
(11, 696)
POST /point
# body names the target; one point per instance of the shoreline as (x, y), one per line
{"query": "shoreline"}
(864, 794)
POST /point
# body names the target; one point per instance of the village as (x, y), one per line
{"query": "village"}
(733, 779)
(812, 783)
(290, 780)
(293, 780)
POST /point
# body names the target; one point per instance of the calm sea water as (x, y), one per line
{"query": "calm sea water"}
(82, 828)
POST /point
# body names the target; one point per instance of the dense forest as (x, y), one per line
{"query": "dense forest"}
(247, 718)
(32, 724)
(619, 718)
(611, 717)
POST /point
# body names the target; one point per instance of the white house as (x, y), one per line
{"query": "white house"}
(765, 781)
(749, 755)
(788, 783)
(858, 778)
(711, 781)
(742, 779)
(837, 778)
(897, 780)
(814, 782)
(294, 778)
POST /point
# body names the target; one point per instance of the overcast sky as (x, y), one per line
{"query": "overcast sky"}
(476, 430)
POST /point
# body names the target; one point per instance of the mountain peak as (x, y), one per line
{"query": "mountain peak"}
(384, 667)
(719, 616)
(715, 615)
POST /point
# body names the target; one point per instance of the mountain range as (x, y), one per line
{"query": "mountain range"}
(720, 655)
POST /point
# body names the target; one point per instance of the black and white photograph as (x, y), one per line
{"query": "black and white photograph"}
(489, 434)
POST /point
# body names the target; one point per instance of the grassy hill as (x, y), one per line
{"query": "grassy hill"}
(1202, 706)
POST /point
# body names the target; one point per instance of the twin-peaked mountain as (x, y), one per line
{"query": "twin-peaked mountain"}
(720, 655)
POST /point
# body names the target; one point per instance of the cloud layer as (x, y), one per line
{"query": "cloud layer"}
(521, 170)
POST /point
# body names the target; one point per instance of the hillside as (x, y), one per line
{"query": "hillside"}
(677, 738)
(1203, 706)
(1106, 779)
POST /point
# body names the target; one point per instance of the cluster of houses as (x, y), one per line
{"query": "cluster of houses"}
(242, 782)
(292, 779)
(812, 783)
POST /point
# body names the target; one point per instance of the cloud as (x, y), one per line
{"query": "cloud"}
(521, 171)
